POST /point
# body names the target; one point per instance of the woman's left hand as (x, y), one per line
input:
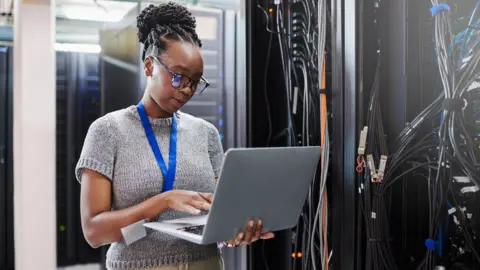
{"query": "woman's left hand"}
(252, 233)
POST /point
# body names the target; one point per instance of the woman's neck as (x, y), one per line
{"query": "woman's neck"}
(152, 109)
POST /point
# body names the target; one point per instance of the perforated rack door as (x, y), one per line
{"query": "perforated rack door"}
(78, 105)
(3, 163)
(65, 240)
(87, 110)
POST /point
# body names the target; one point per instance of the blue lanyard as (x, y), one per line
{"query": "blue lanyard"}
(168, 174)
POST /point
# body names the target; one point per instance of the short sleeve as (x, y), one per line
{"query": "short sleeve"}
(99, 149)
(215, 150)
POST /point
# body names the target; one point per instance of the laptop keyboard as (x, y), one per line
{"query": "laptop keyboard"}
(193, 229)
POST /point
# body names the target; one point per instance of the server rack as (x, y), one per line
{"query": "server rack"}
(346, 92)
(78, 105)
(263, 85)
(66, 215)
(87, 108)
(3, 163)
(346, 87)
(410, 82)
(7, 257)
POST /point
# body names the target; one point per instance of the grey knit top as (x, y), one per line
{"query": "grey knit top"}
(116, 146)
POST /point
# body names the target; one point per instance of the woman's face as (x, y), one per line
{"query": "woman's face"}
(182, 59)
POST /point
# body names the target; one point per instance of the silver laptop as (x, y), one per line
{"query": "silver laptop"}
(261, 183)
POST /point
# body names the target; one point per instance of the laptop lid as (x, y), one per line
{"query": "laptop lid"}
(267, 183)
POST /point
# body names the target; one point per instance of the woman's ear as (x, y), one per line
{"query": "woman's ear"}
(148, 67)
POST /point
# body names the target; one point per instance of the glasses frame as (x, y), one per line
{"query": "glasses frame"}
(190, 81)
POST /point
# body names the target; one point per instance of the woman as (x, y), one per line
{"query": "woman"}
(126, 163)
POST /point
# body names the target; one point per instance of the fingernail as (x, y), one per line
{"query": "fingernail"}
(260, 223)
(240, 235)
(251, 223)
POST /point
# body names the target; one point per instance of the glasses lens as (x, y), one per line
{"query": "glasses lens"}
(177, 81)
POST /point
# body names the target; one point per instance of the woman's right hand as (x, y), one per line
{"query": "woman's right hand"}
(188, 201)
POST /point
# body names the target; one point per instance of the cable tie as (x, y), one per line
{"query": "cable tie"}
(431, 244)
(440, 7)
(454, 104)
(375, 240)
(360, 164)
(323, 91)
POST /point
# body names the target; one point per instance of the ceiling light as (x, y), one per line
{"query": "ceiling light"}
(72, 47)
(93, 13)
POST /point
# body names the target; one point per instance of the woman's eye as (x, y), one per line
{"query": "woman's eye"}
(177, 80)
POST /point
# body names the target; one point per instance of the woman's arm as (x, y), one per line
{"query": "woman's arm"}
(102, 226)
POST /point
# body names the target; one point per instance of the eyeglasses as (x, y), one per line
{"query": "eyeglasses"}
(180, 81)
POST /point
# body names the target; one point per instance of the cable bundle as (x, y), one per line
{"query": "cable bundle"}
(439, 145)
(308, 38)
(301, 41)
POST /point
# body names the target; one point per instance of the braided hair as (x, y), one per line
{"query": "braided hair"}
(171, 21)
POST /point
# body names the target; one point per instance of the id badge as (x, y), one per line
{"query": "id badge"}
(134, 232)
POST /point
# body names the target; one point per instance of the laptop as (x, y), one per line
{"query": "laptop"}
(270, 184)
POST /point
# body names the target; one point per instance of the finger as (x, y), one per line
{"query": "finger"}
(249, 233)
(258, 231)
(238, 240)
(268, 235)
(206, 196)
(188, 209)
(200, 204)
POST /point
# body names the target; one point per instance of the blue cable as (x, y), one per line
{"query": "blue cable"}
(473, 13)
(440, 7)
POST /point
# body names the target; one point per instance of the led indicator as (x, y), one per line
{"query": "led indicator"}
(296, 255)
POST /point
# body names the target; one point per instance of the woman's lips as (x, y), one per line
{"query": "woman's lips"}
(179, 103)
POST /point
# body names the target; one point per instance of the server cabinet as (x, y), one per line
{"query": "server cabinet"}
(87, 109)
(78, 105)
(65, 184)
(119, 61)
(7, 258)
(210, 105)
(3, 164)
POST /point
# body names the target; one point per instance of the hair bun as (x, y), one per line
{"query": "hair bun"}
(163, 15)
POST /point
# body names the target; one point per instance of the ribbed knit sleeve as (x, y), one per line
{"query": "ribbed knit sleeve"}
(215, 149)
(99, 148)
